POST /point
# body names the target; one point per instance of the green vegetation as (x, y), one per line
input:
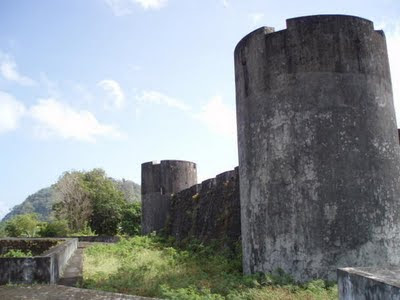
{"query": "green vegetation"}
(41, 202)
(17, 253)
(56, 228)
(87, 203)
(22, 226)
(2, 230)
(107, 202)
(131, 215)
(90, 198)
(154, 267)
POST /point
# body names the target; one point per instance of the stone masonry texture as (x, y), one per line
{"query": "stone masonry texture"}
(159, 182)
(207, 211)
(318, 148)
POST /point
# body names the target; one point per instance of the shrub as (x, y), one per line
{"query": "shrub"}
(25, 225)
(131, 215)
(17, 253)
(2, 230)
(56, 228)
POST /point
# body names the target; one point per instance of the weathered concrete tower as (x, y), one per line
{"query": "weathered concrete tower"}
(318, 148)
(159, 181)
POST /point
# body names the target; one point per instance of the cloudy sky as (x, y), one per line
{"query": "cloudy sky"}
(114, 83)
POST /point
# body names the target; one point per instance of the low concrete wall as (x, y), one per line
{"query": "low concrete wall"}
(60, 256)
(369, 283)
(97, 239)
(45, 268)
(37, 246)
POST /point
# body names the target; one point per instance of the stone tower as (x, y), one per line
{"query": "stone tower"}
(159, 181)
(318, 148)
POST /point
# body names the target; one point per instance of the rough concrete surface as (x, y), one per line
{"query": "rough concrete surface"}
(159, 181)
(318, 148)
(44, 268)
(207, 211)
(73, 272)
(59, 292)
(369, 283)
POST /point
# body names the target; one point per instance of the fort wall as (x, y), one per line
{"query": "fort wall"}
(318, 148)
(207, 211)
(159, 181)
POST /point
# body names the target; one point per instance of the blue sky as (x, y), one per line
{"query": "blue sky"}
(114, 83)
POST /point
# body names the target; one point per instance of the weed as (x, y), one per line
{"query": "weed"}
(153, 266)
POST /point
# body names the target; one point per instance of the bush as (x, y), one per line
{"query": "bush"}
(131, 215)
(58, 228)
(17, 253)
(25, 225)
(2, 230)
(86, 231)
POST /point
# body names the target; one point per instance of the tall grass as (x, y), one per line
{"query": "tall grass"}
(154, 267)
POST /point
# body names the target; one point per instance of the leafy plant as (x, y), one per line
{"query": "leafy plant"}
(22, 226)
(86, 231)
(131, 215)
(154, 266)
(57, 228)
(17, 253)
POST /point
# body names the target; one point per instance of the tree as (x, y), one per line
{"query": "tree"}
(22, 225)
(131, 215)
(73, 201)
(108, 202)
(2, 229)
(89, 198)
(56, 228)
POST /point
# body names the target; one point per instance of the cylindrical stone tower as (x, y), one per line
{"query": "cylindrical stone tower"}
(318, 148)
(159, 181)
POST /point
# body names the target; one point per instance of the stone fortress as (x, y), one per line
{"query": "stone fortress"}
(319, 156)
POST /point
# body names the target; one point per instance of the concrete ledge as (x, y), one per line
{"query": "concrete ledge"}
(44, 268)
(97, 239)
(369, 283)
(57, 292)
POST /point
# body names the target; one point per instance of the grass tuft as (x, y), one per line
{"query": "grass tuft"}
(153, 267)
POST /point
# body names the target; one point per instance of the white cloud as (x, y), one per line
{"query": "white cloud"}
(125, 7)
(151, 4)
(218, 117)
(115, 95)
(11, 110)
(60, 120)
(155, 97)
(120, 7)
(225, 3)
(256, 18)
(8, 69)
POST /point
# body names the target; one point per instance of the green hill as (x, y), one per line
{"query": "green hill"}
(42, 201)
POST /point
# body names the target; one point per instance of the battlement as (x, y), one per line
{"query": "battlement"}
(209, 184)
(168, 176)
(206, 211)
(159, 181)
(321, 43)
(305, 96)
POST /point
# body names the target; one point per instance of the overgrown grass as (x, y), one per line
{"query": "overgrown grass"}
(154, 267)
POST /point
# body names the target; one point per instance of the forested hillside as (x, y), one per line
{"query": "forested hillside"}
(42, 201)
(39, 202)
